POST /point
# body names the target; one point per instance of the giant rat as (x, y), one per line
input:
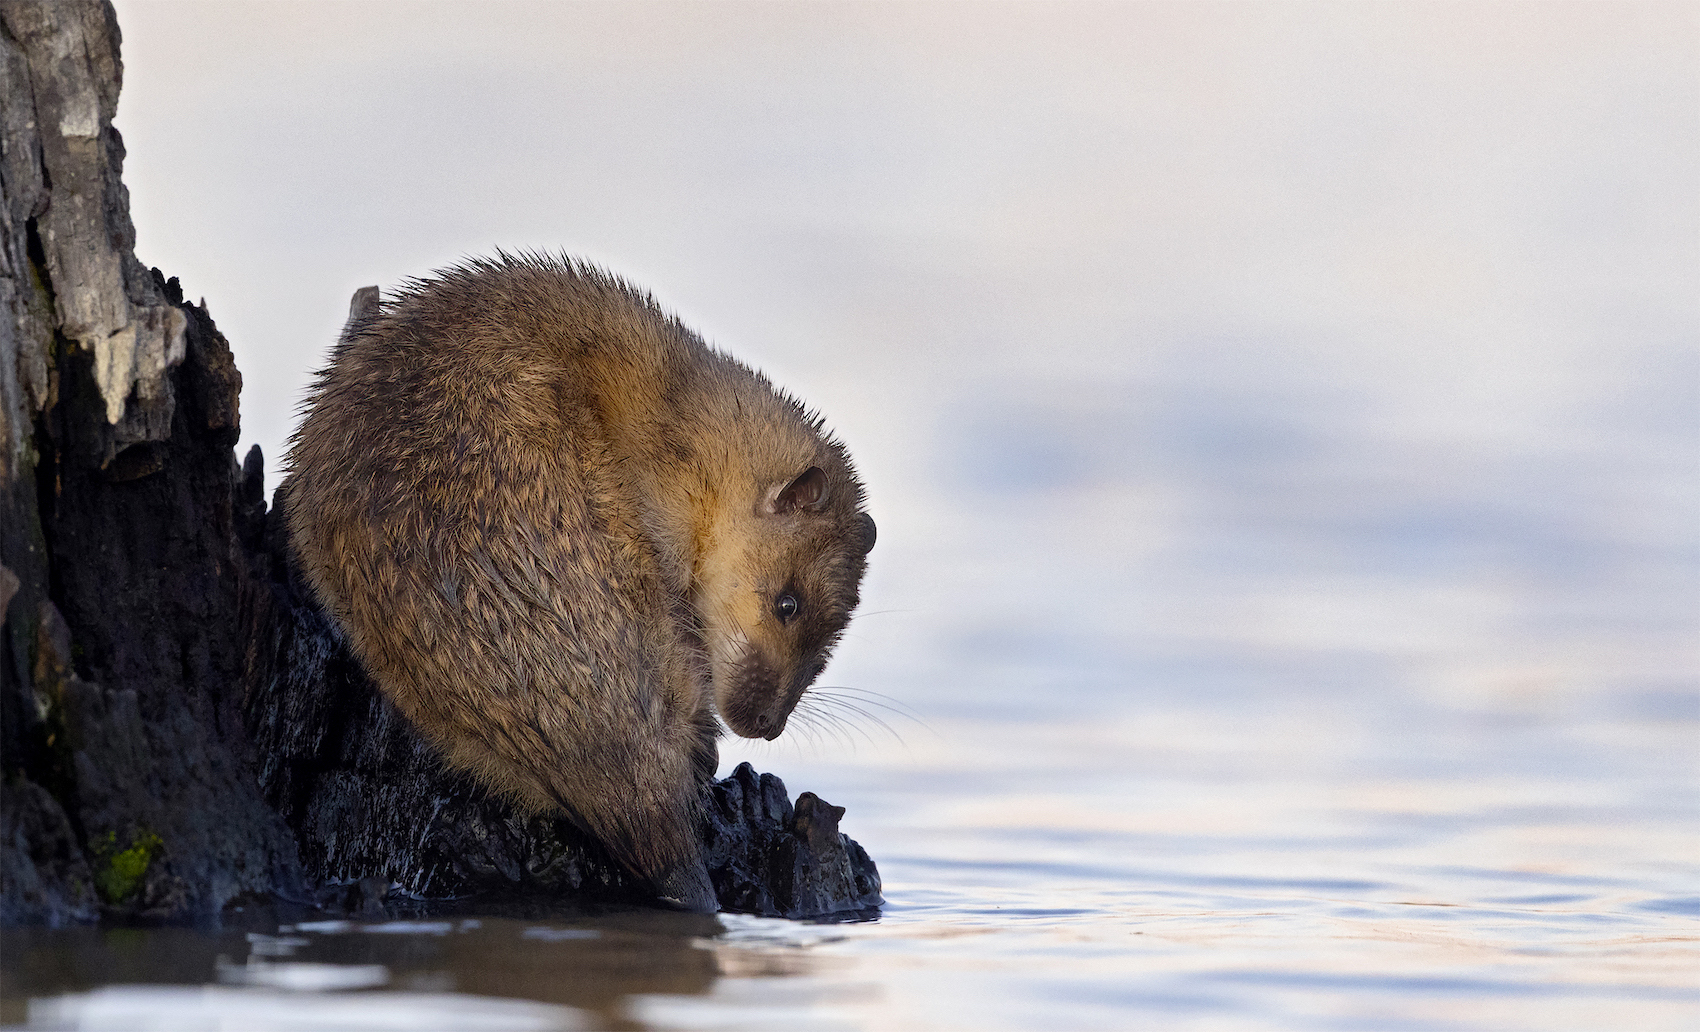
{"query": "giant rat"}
(562, 533)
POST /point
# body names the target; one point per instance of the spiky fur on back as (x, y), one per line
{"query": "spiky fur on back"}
(542, 510)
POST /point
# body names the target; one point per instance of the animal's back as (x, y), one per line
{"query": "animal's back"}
(459, 503)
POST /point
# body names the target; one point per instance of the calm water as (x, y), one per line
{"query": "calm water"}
(1184, 741)
(1282, 425)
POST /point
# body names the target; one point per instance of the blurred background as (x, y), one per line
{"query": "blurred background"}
(1360, 328)
(1283, 423)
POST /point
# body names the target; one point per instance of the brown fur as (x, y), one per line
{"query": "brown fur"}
(556, 528)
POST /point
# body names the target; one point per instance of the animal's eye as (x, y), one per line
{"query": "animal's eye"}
(786, 606)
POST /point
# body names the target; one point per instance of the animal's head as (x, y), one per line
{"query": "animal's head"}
(776, 590)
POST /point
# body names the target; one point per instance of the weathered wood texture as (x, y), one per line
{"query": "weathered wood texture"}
(180, 726)
(120, 706)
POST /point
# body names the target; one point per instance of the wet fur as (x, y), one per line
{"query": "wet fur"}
(553, 524)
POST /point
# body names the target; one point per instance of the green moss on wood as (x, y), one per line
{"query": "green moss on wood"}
(118, 873)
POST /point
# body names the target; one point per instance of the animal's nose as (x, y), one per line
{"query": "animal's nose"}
(769, 726)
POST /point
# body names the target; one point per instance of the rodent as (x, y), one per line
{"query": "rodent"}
(561, 534)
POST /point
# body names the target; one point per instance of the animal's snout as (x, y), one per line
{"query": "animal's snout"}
(770, 724)
(753, 700)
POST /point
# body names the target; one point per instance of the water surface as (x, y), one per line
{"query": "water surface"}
(1284, 431)
(1287, 766)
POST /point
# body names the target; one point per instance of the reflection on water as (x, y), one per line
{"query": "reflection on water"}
(1202, 866)
(1281, 424)
(173, 1009)
(1208, 736)
(462, 972)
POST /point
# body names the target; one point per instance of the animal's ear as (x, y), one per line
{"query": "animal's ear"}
(808, 491)
(870, 533)
(363, 307)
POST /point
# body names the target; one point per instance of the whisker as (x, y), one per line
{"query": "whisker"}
(868, 697)
(810, 729)
(884, 702)
(841, 729)
(851, 728)
(814, 728)
(824, 719)
(826, 705)
(826, 723)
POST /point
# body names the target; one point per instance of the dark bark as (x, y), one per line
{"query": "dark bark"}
(369, 797)
(180, 726)
(122, 737)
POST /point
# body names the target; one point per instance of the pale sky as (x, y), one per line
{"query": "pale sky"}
(1482, 214)
(1143, 269)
